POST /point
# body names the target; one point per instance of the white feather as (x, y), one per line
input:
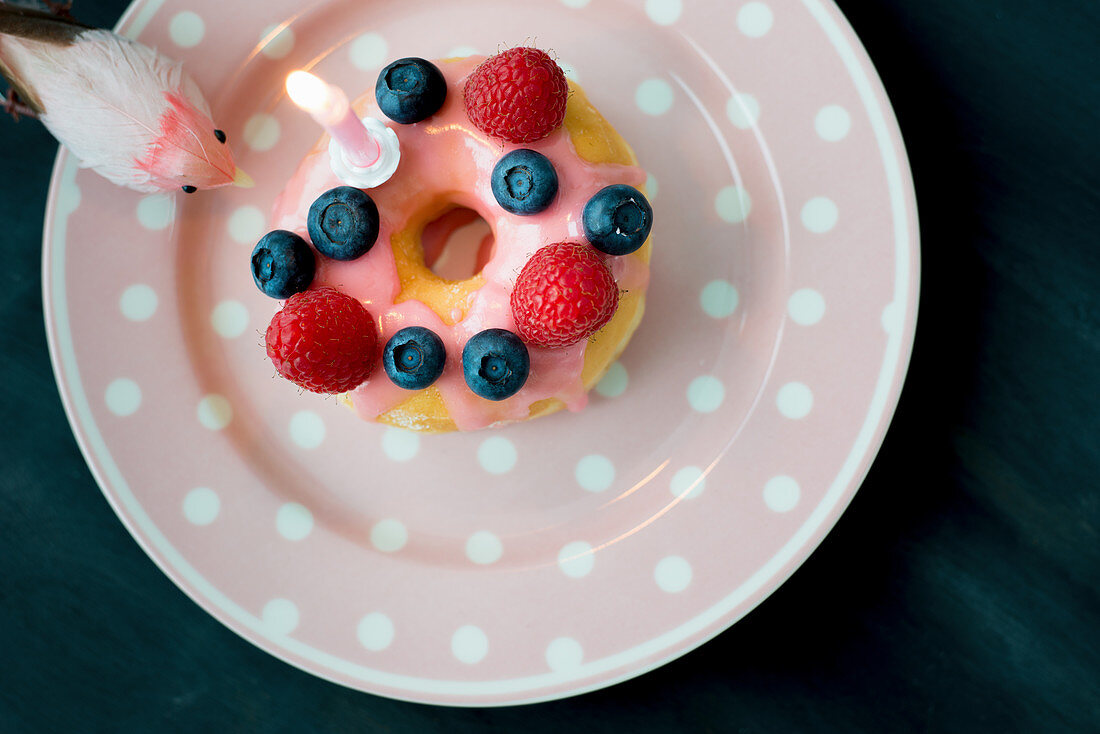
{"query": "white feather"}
(103, 96)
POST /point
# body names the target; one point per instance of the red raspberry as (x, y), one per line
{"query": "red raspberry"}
(518, 95)
(564, 293)
(323, 340)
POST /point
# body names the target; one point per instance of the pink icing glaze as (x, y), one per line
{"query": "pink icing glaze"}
(446, 156)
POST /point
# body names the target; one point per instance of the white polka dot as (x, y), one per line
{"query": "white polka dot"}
(375, 631)
(651, 187)
(706, 394)
(754, 19)
(733, 204)
(138, 302)
(261, 132)
(294, 521)
(806, 307)
(307, 430)
(484, 548)
(123, 397)
(156, 211)
(819, 215)
(654, 96)
(781, 494)
(497, 455)
(672, 574)
(280, 616)
(368, 51)
(743, 110)
(663, 12)
(201, 506)
(187, 29)
(469, 644)
(247, 225)
(564, 654)
(832, 123)
(575, 3)
(595, 473)
(389, 535)
(688, 483)
(719, 299)
(459, 52)
(614, 383)
(68, 198)
(794, 400)
(229, 319)
(891, 318)
(576, 559)
(276, 43)
(399, 444)
(215, 412)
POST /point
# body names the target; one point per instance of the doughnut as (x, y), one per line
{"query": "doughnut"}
(443, 181)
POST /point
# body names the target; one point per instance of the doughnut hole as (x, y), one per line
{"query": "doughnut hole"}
(439, 256)
(457, 244)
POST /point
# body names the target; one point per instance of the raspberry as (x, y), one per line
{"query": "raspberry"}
(323, 340)
(518, 95)
(564, 293)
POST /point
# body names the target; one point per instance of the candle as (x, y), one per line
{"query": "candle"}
(329, 106)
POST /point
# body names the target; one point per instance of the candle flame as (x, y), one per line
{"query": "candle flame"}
(308, 92)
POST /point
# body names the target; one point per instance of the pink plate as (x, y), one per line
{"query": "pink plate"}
(551, 557)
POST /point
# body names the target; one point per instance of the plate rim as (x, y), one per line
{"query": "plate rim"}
(140, 12)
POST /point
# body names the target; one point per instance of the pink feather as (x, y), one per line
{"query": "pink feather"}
(182, 152)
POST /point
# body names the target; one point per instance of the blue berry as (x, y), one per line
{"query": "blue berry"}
(495, 364)
(282, 264)
(524, 182)
(343, 223)
(617, 219)
(410, 90)
(414, 357)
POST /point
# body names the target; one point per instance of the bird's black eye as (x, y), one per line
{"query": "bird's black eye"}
(220, 136)
(189, 189)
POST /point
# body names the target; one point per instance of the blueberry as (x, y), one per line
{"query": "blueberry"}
(343, 223)
(410, 90)
(524, 182)
(617, 219)
(495, 364)
(282, 264)
(414, 357)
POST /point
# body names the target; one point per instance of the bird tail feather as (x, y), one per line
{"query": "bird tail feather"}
(20, 23)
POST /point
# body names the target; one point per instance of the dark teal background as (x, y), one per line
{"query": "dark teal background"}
(959, 591)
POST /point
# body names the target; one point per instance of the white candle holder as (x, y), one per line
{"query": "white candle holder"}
(378, 172)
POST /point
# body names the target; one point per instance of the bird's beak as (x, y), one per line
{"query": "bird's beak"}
(243, 180)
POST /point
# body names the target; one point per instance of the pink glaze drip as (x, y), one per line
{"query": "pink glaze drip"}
(446, 157)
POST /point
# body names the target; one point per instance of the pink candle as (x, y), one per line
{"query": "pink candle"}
(329, 106)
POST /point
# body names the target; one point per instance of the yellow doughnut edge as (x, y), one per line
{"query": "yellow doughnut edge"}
(596, 141)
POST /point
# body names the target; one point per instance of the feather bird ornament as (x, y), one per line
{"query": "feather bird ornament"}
(124, 110)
